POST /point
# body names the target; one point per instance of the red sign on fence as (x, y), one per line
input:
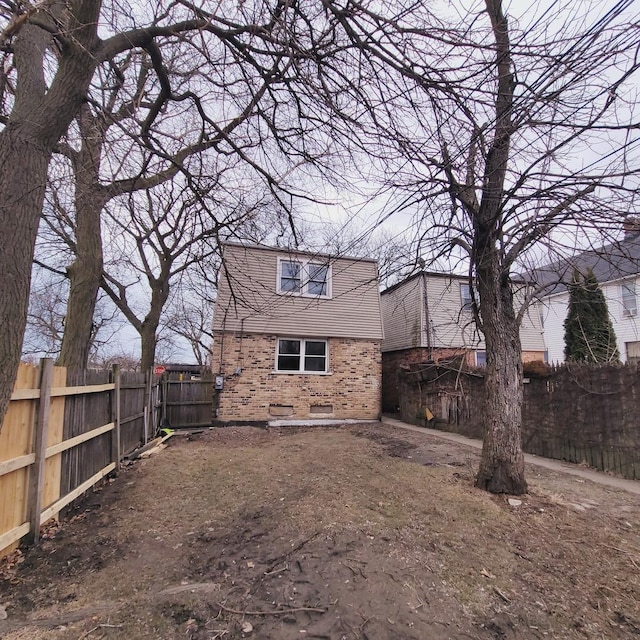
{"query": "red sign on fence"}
(159, 370)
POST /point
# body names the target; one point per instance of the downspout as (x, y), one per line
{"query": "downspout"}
(427, 319)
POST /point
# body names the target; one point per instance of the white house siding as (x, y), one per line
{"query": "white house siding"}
(248, 301)
(554, 311)
(402, 314)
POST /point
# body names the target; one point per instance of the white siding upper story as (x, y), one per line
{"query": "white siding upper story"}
(428, 310)
(622, 311)
(281, 292)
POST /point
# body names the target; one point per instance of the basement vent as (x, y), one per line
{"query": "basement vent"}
(280, 410)
(321, 408)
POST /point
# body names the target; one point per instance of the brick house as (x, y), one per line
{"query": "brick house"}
(296, 337)
(428, 317)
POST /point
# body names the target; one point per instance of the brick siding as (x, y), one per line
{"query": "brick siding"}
(254, 392)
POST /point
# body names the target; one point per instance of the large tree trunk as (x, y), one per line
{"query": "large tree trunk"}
(151, 322)
(23, 174)
(502, 463)
(86, 271)
(40, 116)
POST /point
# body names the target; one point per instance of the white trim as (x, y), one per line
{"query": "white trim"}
(304, 277)
(302, 373)
(302, 355)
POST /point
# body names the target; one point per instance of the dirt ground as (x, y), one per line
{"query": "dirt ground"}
(360, 532)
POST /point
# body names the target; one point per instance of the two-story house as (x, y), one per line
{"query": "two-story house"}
(616, 266)
(296, 337)
(428, 317)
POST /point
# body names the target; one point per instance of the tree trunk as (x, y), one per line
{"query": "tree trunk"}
(502, 463)
(23, 175)
(149, 329)
(86, 271)
(40, 115)
(149, 340)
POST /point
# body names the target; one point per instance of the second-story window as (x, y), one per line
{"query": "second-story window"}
(304, 278)
(466, 297)
(291, 276)
(317, 283)
(629, 301)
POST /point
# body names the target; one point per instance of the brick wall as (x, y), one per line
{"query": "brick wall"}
(253, 391)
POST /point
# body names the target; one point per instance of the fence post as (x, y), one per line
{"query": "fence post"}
(115, 415)
(148, 380)
(36, 477)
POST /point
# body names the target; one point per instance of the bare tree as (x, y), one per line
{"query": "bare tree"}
(495, 136)
(50, 53)
(162, 234)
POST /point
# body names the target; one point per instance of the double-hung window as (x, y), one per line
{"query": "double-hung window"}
(302, 356)
(467, 297)
(629, 300)
(304, 278)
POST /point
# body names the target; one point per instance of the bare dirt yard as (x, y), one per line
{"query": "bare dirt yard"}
(361, 532)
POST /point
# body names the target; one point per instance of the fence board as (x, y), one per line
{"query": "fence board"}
(55, 434)
(576, 413)
(16, 440)
(83, 414)
(132, 403)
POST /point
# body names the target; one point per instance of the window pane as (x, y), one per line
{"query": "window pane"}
(465, 295)
(317, 284)
(313, 348)
(290, 278)
(291, 269)
(314, 363)
(289, 347)
(629, 298)
(288, 363)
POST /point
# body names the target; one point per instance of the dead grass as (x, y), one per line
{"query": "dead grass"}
(365, 532)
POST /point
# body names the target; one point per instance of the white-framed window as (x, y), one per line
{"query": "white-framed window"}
(466, 297)
(629, 299)
(290, 277)
(481, 358)
(304, 278)
(302, 355)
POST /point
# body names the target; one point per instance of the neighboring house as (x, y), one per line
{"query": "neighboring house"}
(296, 336)
(616, 266)
(429, 317)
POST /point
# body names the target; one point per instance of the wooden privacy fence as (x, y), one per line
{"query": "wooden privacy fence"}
(187, 401)
(63, 432)
(577, 413)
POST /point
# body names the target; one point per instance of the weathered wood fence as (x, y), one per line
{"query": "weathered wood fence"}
(577, 413)
(63, 432)
(187, 401)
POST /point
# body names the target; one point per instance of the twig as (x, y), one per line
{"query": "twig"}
(276, 612)
(280, 570)
(86, 634)
(502, 595)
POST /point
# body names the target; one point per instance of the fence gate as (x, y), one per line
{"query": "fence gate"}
(187, 401)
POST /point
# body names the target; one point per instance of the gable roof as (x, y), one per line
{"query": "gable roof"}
(614, 261)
